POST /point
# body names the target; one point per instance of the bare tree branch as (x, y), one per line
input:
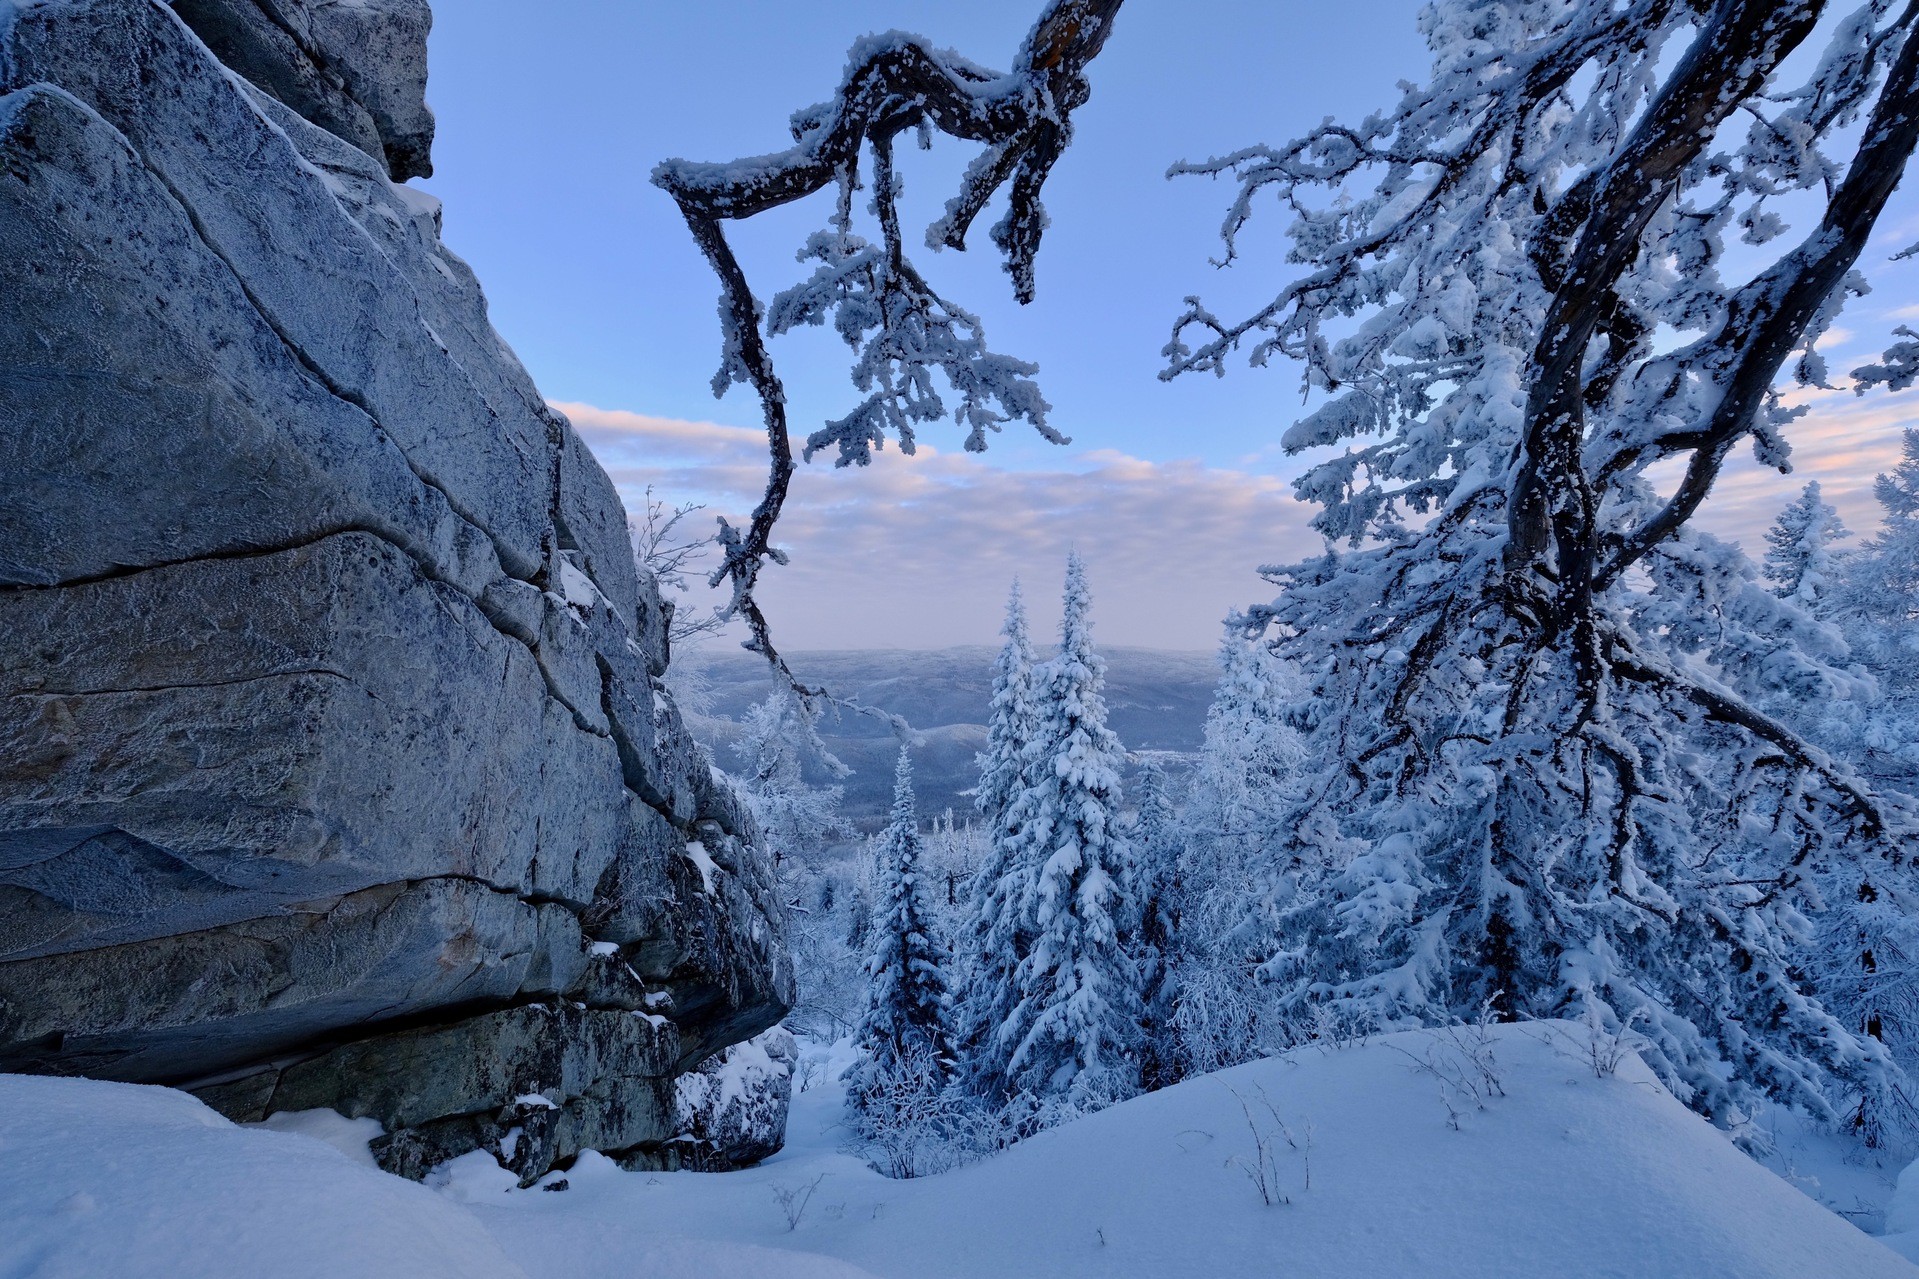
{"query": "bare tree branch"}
(669, 554)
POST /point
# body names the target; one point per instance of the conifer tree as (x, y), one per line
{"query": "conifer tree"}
(794, 816)
(1249, 751)
(1799, 555)
(1880, 603)
(997, 935)
(1073, 1029)
(1010, 728)
(1236, 859)
(904, 1027)
(1157, 889)
(1866, 954)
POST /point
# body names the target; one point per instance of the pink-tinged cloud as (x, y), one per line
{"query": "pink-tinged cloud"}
(1843, 441)
(917, 552)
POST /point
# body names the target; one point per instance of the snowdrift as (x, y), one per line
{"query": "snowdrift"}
(124, 1180)
(1567, 1174)
(1548, 1170)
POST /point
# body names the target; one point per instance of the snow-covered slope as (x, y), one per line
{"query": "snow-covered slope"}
(1565, 1174)
(124, 1180)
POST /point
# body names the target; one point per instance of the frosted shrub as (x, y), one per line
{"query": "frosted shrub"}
(910, 1121)
(1225, 1016)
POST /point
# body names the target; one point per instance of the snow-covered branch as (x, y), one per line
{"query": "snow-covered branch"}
(880, 303)
(1560, 739)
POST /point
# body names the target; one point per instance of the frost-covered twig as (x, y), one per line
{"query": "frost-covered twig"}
(1460, 1060)
(1263, 1168)
(893, 83)
(666, 551)
(793, 1200)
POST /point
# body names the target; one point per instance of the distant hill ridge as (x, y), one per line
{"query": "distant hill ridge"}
(1156, 701)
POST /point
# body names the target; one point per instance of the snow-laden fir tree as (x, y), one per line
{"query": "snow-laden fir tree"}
(1866, 957)
(795, 817)
(1238, 853)
(1879, 612)
(1156, 887)
(997, 935)
(1248, 757)
(904, 1028)
(1529, 779)
(1073, 1029)
(1799, 551)
(1010, 724)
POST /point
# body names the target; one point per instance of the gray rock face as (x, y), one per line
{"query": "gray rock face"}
(356, 68)
(532, 1084)
(334, 756)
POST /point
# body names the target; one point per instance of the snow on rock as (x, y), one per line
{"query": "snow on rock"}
(1565, 1175)
(732, 1110)
(703, 862)
(123, 1179)
(577, 589)
(351, 1137)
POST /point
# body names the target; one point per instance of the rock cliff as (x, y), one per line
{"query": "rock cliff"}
(335, 765)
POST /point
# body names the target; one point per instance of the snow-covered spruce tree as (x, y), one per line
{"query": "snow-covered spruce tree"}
(1073, 1029)
(1156, 887)
(1799, 551)
(1010, 724)
(795, 816)
(1516, 299)
(997, 934)
(1878, 607)
(1867, 957)
(904, 1028)
(1248, 757)
(797, 821)
(1239, 859)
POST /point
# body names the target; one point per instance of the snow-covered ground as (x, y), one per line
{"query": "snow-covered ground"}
(117, 1180)
(1565, 1174)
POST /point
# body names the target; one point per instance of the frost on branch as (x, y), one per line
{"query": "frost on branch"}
(1899, 370)
(901, 331)
(1553, 755)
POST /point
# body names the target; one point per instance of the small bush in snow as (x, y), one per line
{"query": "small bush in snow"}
(905, 1117)
(1459, 1059)
(1263, 1168)
(793, 1200)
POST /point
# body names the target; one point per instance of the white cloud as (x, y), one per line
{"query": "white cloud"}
(917, 552)
(1843, 441)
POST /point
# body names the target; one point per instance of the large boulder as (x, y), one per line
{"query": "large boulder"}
(356, 68)
(335, 759)
(731, 1112)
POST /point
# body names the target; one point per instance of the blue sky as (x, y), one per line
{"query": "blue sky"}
(548, 128)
